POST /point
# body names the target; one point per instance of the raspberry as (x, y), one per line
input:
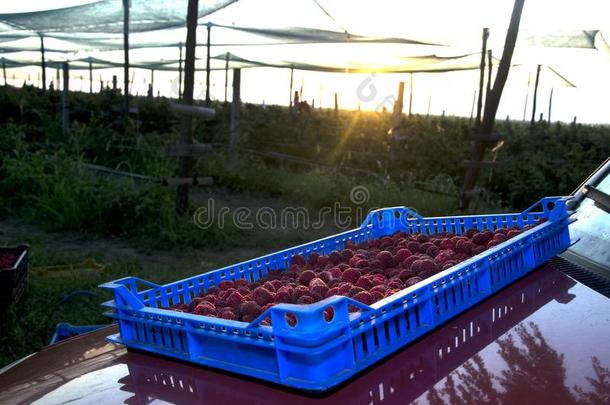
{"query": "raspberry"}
(386, 258)
(318, 288)
(350, 275)
(243, 291)
(299, 260)
(470, 233)
(455, 239)
(482, 238)
(250, 308)
(503, 231)
(396, 284)
(206, 309)
(235, 299)
(432, 251)
(478, 250)
(512, 233)
(335, 272)
(345, 288)
(408, 262)
(448, 264)
(334, 257)
(364, 254)
(332, 291)
(443, 256)
(306, 277)
(447, 244)
(364, 282)
(212, 290)
(460, 257)
(406, 274)
(402, 254)
(386, 240)
(329, 314)
(283, 295)
(413, 246)
(376, 264)
(355, 290)
(312, 259)
(500, 237)
(299, 291)
(425, 265)
(334, 282)
(492, 243)
(353, 262)
(391, 272)
(363, 263)
(228, 315)
(343, 267)
(425, 246)
(325, 276)
(294, 268)
(225, 285)
(263, 296)
(377, 296)
(196, 301)
(322, 261)
(364, 297)
(421, 238)
(412, 281)
(241, 283)
(249, 317)
(305, 300)
(269, 286)
(346, 254)
(379, 288)
(463, 246)
(377, 279)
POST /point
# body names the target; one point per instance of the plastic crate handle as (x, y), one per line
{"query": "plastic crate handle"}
(552, 207)
(389, 216)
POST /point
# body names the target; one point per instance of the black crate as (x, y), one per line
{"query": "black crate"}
(14, 279)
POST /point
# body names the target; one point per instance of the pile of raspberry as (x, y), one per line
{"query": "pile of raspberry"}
(367, 272)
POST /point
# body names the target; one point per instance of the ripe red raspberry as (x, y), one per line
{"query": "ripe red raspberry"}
(206, 309)
(353, 262)
(493, 243)
(463, 246)
(425, 246)
(335, 272)
(386, 240)
(196, 301)
(482, 238)
(403, 254)
(350, 275)
(305, 300)
(346, 254)
(241, 283)
(277, 284)
(477, 249)
(447, 244)
(250, 308)
(432, 251)
(306, 277)
(448, 264)
(379, 288)
(355, 290)
(263, 296)
(329, 314)
(377, 296)
(334, 282)
(470, 233)
(269, 286)
(500, 237)
(225, 285)
(396, 284)
(299, 260)
(512, 233)
(377, 279)
(386, 258)
(325, 276)
(343, 267)
(412, 281)
(391, 272)
(503, 231)
(408, 262)
(211, 290)
(363, 263)
(243, 291)
(235, 299)
(312, 259)
(294, 268)
(376, 264)
(364, 297)
(334, 257)
(318, 288)
(345, 288)
(406, 274)
(332, 291)
(228, 315)
(299, 291)
(364, 282)
(460, 257)
(248, 317)
(322, 262)
(363, 253)
(413, 246)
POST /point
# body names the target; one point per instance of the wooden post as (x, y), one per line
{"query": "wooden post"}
(527, 93)
(65, 118)
(90, 76)
(410, 93)
(207, 69)
(226, 74)
(234, 124)
(397, 112)
(429, 103)
(550, 104)
(4, 70)
(186, 133)
(535, 95)
(114, 84)
(481, 77)
(336, 105)
(489, 72)
(180, 72)
(474, 99)
(126, 5)
(43, 63)
(152, 81)
(291, 82)
(491, 105)
(57, 77)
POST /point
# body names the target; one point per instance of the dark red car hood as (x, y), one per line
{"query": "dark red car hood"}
(545, 339)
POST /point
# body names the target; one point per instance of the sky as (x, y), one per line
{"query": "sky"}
(449, 22)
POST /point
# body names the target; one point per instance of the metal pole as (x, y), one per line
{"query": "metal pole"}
(152, 80)
(291, 81)
(180, 72)
(42, 63)
(126, 5)
(535, 94)
(474, 100)
(90, 76)
(550, 104)
(226, 75)
(234, 122)
(65, 123)
(481, 77)
(410, 93)
(4, 70)
(207, 69)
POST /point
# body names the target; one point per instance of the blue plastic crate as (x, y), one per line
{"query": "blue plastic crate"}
(316, 354)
